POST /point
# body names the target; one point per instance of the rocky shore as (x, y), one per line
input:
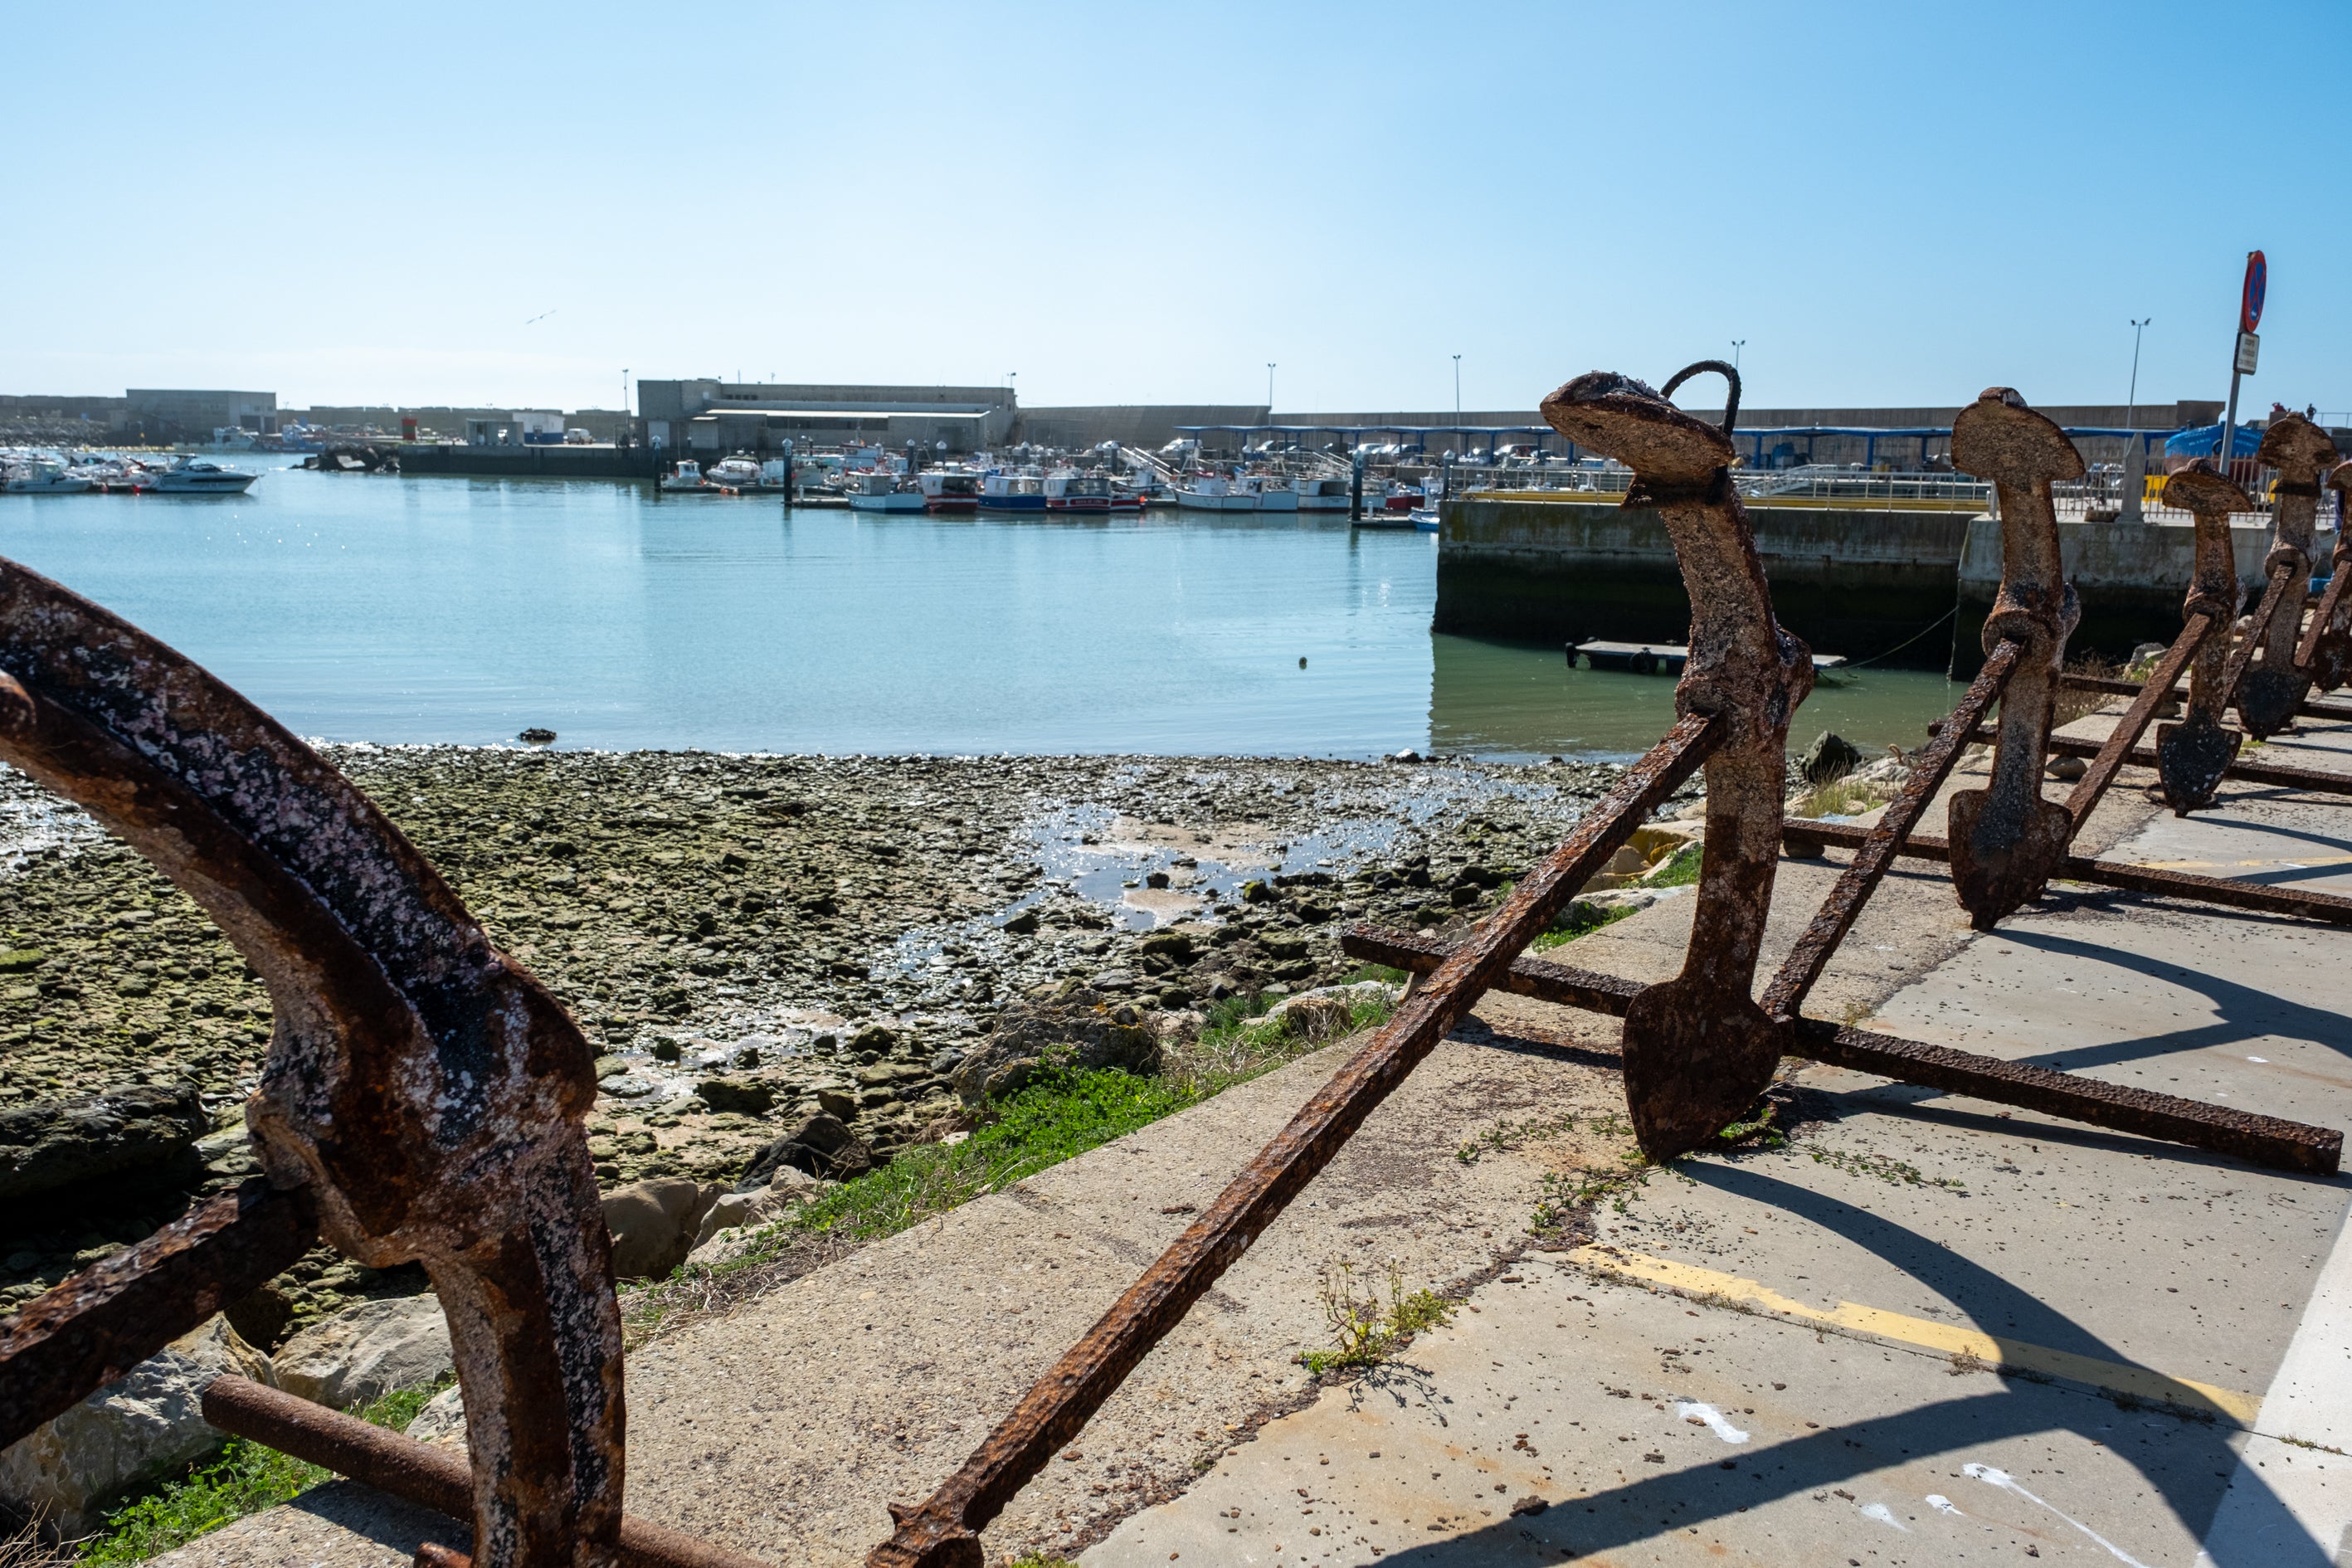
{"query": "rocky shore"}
(747, 940)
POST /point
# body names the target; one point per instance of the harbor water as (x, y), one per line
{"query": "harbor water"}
(363, 608)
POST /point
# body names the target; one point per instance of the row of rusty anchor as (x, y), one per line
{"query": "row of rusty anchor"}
(2002, 859)
(423, 1098)
(2267, 675)
(2006, 842)
(1697, 1049)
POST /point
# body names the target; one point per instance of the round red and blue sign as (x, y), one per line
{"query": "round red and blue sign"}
(2249, 301)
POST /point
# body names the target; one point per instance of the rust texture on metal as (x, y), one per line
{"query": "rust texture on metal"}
(941, 1531)
(1808, 837)
(420, 1473)
(2192, 754)
(1785, 997)
(1699, 1050)
(2302, 453)
(2312, 781)
(2324, 655)
(2309, 708)
(97, 1324)
(426, 1093)
(2260, 1140)
(2007, 838)
(2108, 759)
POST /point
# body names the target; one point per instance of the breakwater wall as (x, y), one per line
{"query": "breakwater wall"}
(533, 462)
(1907, 588)
(2130, 579)
(1847, 581)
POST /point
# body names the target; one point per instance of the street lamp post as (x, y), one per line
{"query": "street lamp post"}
(1269, 389)
(2131, 398)
(1457, 391)
(1736, 344)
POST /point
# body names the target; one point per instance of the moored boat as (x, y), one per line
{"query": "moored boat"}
(950, 489)
(733, 474)
(1245, 492)
(1022, 490)
(43, 477)
(876, 491)
(686, 478)
(1323, 495)
(202, 476)
(1089, 494)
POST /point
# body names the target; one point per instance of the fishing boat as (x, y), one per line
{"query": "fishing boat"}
(1323, 495)
(1245, 492)
(734, 474)
(686, 478)
(202, 476)
(950, 489)
(1021, 490)
(44, 476)
(1088, 494)
(878, 491)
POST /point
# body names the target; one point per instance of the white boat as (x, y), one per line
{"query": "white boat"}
(733, 474)
(202, 477)
(883, 492)
(950, 489)
(1249, 492)
(688, 476)
(44, 476)
(1323, 495)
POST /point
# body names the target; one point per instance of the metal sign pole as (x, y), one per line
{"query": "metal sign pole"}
(2247, 345)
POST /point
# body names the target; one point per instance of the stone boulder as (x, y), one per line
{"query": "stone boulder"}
(365, 1351)
(1830, 757)
(442, 1419)
(653, 1224)
(141, 1428)
(133, 1133)
(820, 1146)
(1073, 1026)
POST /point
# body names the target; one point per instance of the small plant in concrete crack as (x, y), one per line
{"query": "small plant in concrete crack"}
(1884, 1167)
(1505, 1136)
(1364, 1330)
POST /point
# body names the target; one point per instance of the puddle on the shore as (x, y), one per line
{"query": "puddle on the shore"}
(34, 823)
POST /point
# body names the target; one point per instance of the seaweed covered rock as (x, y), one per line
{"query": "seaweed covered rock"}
(821, 1145)
(1070, 1025)
(129, 1133)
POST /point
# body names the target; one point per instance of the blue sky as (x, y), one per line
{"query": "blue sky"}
(1892, 205)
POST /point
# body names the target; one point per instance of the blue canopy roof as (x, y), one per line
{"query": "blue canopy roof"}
(2201, 441)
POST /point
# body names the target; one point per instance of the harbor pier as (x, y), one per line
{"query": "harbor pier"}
(1905, 588)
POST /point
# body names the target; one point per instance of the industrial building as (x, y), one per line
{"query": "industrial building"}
(161, 413)
(718, 416)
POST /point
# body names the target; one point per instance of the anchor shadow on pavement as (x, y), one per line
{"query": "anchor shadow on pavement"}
(2190, 1468)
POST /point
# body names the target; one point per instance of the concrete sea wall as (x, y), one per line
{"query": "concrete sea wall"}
(2130, 578)
(1864, 584)
(1847, 581)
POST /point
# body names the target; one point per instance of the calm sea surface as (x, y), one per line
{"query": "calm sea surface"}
(447, 610)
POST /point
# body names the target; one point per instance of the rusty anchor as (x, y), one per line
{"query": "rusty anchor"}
(2006, 840)
(2324, 655)
(1699, 1050)
(424, 1096)
(2192, 754)
(2268, 693)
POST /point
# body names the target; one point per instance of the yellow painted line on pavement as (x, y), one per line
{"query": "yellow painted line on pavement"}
(1945, 1339)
